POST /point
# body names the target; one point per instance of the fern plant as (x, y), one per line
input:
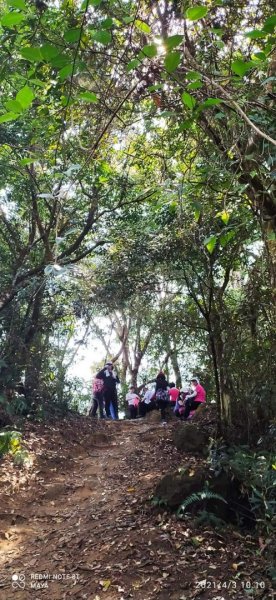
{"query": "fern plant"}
(208, 518)
(155, 501)
(199, 497)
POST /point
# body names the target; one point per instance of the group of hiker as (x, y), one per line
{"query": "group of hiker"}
(163, 396)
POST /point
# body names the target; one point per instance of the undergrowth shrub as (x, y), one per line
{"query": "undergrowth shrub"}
(11, 441)
(16, 405)
(256, 472)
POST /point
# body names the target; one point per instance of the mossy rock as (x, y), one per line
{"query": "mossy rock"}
(101, 439)
(189, 438)
(201, 410)
(153, 416)
(174, 487)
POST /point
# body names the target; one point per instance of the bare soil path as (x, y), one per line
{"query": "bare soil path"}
(78, 523)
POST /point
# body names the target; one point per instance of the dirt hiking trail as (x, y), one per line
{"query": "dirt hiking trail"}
(78, 522)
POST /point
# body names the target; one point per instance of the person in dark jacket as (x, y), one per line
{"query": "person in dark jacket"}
(161, 393)
(110, 380)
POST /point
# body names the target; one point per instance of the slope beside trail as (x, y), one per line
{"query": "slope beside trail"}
(78, 522)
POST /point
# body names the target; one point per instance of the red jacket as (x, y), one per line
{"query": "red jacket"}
(200, 394)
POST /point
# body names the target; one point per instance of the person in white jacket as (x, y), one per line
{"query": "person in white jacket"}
(133, 401)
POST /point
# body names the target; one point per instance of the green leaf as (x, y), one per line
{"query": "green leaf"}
(197, 208)
(25, 96)
(259, 56)
(17, 4)
(90, 3)
(156, 86)
(224, 216)
(217, 31)
(128, 20)
(267, 48)
(226, 237)
(210, 243)
(150, 50)
(14, 106)
(72, 35)
(27, 161)
(48, 52)
(31, 53)
(166, 113)
(11, 19)
(88, 97)
(66, 72)
(240, 67)
(37, 82)
(270, 24)
(185, 125)
(193, 75)
(255, 34)
(210, 102)
(107, 23)
(103, 37)
(172, 61)
(9, 116)
(194, 85)
(173, 41)
(219, 44)
(188, 100)
(196, 12)
(142, 26)
(135, 62)
(60, 61)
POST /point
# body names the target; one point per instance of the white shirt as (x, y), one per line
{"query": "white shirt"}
(132, 399)
(148, 396)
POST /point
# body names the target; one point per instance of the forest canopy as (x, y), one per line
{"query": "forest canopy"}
(137, 150)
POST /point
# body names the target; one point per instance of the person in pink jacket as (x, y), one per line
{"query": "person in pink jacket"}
(193, 400)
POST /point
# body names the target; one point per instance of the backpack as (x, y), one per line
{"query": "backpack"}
(97, 385)
(162, 395)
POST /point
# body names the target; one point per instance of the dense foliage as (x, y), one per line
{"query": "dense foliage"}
(137, 183)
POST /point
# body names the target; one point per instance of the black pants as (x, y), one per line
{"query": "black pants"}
(133, 411)
(190, 405)
(142, 409)
(111, 396)
(162, 405)
(97, 403)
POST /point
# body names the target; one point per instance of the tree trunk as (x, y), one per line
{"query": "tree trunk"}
(133, 377)
(33, 349)
(176, 370)
(216, 376)
(270, 242)
(123, 373)
(223, 387)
